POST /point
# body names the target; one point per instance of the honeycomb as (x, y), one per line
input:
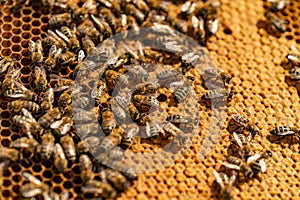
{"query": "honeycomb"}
(242, 47)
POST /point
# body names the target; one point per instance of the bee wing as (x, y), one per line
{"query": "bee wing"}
(63, 36)
(31, 45)
(236, 138)
(31, 193)
(219, 179)
(48, 95)
(31, 178)
(66, 128)
(90, 5)
(81, 55)
(232, 179)
(37, 71)
(19, 145)
(26, 113)
(91, 190)
(52, 51)
(20, 86)
(231, 166)
(64, 195)
(263, 165)
(56, 124)
(51, 33)
(254, 158)
(294, 48)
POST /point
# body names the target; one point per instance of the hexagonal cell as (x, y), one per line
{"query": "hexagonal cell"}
(26, 11)
(26, 35)
(6, 35)
(6, 52)
(7, 27)
(16, 39)
(16, 48)
(6, 43)
(5, 123)
(5, 132)
(7, 18)
(25, 61)
(16, 31)
(26, 19)
(26, 27)
(16, 178)
(35, 31)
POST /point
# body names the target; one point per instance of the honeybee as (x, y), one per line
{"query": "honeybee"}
(259, 162)
(130, 134)
(276, 22)
(63, 126)
(293, 61)
(209, 14)
(171, 130)
(133, 112)
(48, 118)
(105, 190)
(86, 28)
(20, 92)
(108, 121)
(69, 147)
(62, 83)
(87, 144)
(219, 94)
(46, 148)
(9, 154)
(90, 128)
(60, 161)
(6, 62)
(109, 17)
(3, 166)
(152, 130)
(117, 179)
(144, 103)
(11, 77)
(17, 105)
(98, 91)
(89, 7)
(40, 81)
(225, 184)
(215, 79)
(86, 168)
(239, 124)
(295, 73)
(188, 8)
(116, 153)
(137, 72)
(130, 9)
(125, 169)
(278, 5)
(102, 25)
(66, 58)
(243, 143)
(285, 131)
(47, 100)
(146, 88)
(88, 44)
(60, 19)
(50, 61)
(28, 122)
(154, 17)
(53, 39)
(177, 119)
(198, 29)
(118, 111)
(113, 78)
(84, 116)
(167, 75)
(25, 144)
(113, 139)
(182, 93)
(178, 24)
(36, 50)
(35, 187)
(69, 35)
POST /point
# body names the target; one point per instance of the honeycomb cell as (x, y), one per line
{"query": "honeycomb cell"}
(25, 61)
(26, 79)
(36, 23)
(26, 35)
(5, 123)
(25, 70)
(26, 19)
(26, 11)
(16, 178)
(7, 27)
(6, 35)
(68, 185)
(5, 142)
(16, 48)
(36, 31)
(6, 43)
(26, 27)
(7, 183)
(7, 18)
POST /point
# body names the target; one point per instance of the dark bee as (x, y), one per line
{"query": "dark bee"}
(130, 134)
(47, 119)
(40, 81)
(69, 35)
(276, 22)
(60, 19)
(217, 96)
(46, 149)
(53, 39)
(278, 5)
(6, 63)
(86, 168)
(225, 184)
(285, 131)
(108, 121)
(109, 17)
(130, 9)
(102, 25)
(104, 190)
(215, 79)
(88, 44)
(243, 142)
(17, 105)
(86, 28)
(36, 51)
(69, 147)
(146, 88)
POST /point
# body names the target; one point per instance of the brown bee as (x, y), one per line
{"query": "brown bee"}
(105, 190)
(144, 103)
(198, 31)
(243, 142)
(114, 78)
(276, 22)
(130, 134)
(171, 130)
(146, 88)
(225, 184)
(9, 154)
(34, 187)
(66, 58)
(21, 92)
(178, 24)
(17, 105)
(69, 35)
(69, 147)
(87, 28)
(108, 121)
(47, 100)
(46, 149)
(217, 96)
(278, 5)
(47, 119)
(131, 9)
(239, 124)
(12, 75)
(215, 79)
(210, 14)
(53, 39)
(86, 168)
(36, 50)
(57, 20)
(109, 17)
(50, 61)
(60, 161)
(133, 112)
(28, 122)
(98, 91)
(102, 25)
(112, 140)
(6, 63)
(25, 144)
(285, 131)
(63, 126)
(40, 81)
(62, 83)
(87, 144)
(88, 44)
(117, 179)
(89, 7)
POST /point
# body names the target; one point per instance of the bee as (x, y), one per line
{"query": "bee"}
(63, 126)
(36, 50)
(84, 116)
(144, 103)
(295, 73)
(102, 25)
(113, 139)
(225, 184)
(152, 130)
(167, 75)
(215, 79)
(53, 39)
(86, 28)
(98, 91)
(243, 142)
(178, 24)
(25, 144)
(209, 14)
(69, 35)
(137, 72)
(182, 93)
(237, 124)
(132, 131)
(28, 122)
(89, 7)
(131, 9)
(20, 92)
(133, 112)
(87, 144)
(125, 169)
(46, 148)
(276, 22)
(117, 179)
(88, 44)
(171, 130)
(278, 5)
(154, 17)
(108, 121)
(294, 61)
(9, 154)
(47, 100)
(188, 8)
(40, 81)
(177, 119)
(57, 20)
(17, 105)
(285, 131)
(198, 31)
(114, 78)
(50, 61)
(34, 187)
(69, 147)
(116, 153)
(11, 77)
(3, 166)
(90, 128)
(86, 168)
(105, 190)
(62, 83)
(66, 58)
(60, 161)
(109, 17)
(79, 101)
(219, 94)
(118, 111)
(146, 88)
(48, 118)
(6, 63)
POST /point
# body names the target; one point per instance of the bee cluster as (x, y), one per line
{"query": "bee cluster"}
(242, 165)
(292, 64)
(52, 113)
(277, 24)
